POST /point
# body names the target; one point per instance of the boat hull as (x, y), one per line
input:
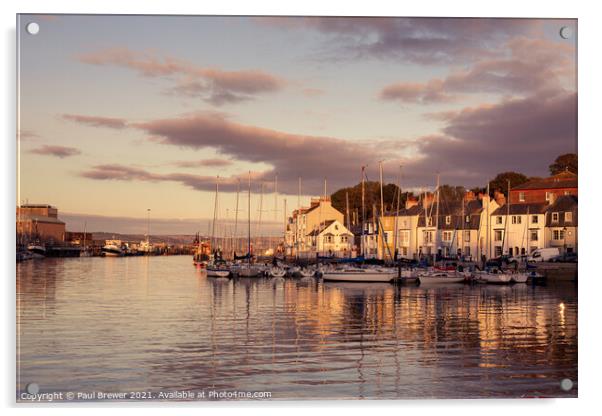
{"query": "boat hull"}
(377, 277)
(217, 272)
(440, 279)
(495, 278)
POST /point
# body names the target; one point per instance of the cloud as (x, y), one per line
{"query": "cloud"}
(27, 135)
(530, 65)
(214, 85)
(203, 163)
(522, 134)
(417, 40)
(56, 151)
(290, 156)
(95, 121)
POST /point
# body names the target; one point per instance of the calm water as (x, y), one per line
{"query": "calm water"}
(158, 324)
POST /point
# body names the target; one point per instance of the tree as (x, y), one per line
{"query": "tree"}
(566, 162)
(451, 194)
(371, 199)
(500, 182)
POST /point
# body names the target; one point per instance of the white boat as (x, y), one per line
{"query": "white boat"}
(519, 277)
(494, 277)
(112, 248)
(37, 249)
(216, 271)
(437, 277)
(360, 275)
(248, 271)
(277, 272)
(307, 272)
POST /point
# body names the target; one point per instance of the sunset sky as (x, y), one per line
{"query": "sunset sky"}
(123, 113)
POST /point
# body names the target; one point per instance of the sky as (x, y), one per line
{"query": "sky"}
(120, 114)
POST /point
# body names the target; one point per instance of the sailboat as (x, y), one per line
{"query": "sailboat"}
(216, 268)
(247, 269)
(354, 274)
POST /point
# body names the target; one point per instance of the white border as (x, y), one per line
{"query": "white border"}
(589, 151)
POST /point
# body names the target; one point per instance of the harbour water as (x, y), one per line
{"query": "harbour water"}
(157, 324)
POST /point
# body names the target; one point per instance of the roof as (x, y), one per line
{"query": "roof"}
(39, 218)
(565, 203)
(521, 209)
(36, 206)
(324, 226)
(562, 180)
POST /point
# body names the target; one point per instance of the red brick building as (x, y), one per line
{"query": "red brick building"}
(545, 190)
(40, 222)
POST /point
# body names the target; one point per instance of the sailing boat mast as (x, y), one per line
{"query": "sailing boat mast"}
(298, 217)
(249, 224)
(363, 211)
(213, 239)
(235, 233)
(487, 231)
(437, 221)
(382, 208)
(395, 231)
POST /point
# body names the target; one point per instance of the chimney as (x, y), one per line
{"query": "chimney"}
(552, 198)
(499, 198)
(427, 200)
(411, 202)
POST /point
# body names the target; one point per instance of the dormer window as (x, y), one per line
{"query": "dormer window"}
(555, 217)
(568, 217)
(448, 219)
(467, 218)
(521, 196)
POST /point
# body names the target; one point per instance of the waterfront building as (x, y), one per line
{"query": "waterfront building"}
(331, 239)
(561, 224)
(518, 229)
(304, 226)
(39, 222)
(545, 190)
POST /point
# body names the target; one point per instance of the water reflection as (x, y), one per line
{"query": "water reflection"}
(158, 323)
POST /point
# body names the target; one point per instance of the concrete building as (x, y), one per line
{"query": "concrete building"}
(39, 222)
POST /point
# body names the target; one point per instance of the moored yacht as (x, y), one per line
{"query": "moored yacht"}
(112, 248)
(382, 275)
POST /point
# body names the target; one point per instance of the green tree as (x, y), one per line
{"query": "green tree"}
(563, 163)
(500, 182)
(450, 194)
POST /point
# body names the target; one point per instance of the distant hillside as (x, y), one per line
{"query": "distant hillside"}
(169, 239)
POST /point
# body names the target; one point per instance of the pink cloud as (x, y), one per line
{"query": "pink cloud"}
(213, 85)
(96, 121)
(56, 151)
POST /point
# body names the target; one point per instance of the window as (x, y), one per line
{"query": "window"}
(404, 237)
(523, 251)
(336, 227)
(498, 235)
(498, 220)
(467, 236)
(467, 250)
(447, 235)
(428, 236)
(533, 235)
(516, 219)
(534, 219)
(328, 239)
(521, 196)
(467, 219)
(448, 219)
(404, 251)
(344, 239)
(498, 251)
(554, 217)
(568, 216)
(510, 251)
(558, 235)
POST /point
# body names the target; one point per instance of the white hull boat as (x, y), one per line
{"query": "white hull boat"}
(213, 272)
(277, 272)
(248, 271)
(494, 278)
(360, 275)
(440, 277)
(519, 277)
(307, 272)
